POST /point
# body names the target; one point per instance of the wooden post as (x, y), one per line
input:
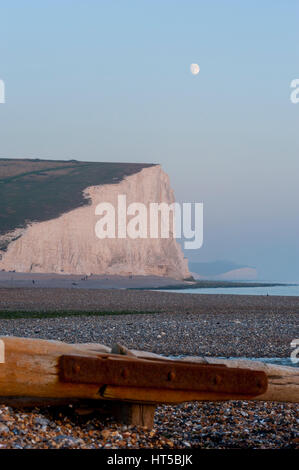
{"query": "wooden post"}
(137, 414)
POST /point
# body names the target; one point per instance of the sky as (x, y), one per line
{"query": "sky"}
(110, 81)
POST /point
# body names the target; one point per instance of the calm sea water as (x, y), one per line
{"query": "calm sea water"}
(275, 290)
(282, 361)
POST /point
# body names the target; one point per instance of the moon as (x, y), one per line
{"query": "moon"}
(194, 68)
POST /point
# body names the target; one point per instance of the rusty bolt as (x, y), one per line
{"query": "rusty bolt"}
(76, 368)
(125, 373)
(171, 376)
(217, 380)
(259, 384)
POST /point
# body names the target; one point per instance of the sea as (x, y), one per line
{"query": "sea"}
(283, 290)
(288, 290)
(281, 361)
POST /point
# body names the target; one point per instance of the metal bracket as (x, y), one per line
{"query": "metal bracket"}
(126, 371)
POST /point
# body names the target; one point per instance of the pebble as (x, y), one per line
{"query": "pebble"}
(195, 325)
(3, 428)
(209, 425)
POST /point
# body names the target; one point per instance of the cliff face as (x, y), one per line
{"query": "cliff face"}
(39, 190)
(68, 243)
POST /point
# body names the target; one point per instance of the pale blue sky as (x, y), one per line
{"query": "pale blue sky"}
(110, 81)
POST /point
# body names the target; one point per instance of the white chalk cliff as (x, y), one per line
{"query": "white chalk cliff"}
(68, 244)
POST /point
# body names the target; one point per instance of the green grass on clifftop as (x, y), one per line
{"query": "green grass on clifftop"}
(39, 190)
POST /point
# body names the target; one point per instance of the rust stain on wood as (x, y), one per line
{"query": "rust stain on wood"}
(159, 374)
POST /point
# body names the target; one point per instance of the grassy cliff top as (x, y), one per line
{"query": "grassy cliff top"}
(39, 190)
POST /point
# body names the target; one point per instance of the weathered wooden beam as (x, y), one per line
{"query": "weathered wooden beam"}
(92, 348)
(31, 370)
(283, 381)
(155, 395)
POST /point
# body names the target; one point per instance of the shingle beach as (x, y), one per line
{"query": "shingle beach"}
(164, 323)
